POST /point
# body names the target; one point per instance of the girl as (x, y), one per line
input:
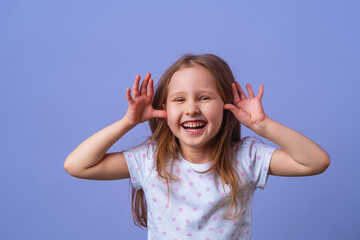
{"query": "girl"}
(195, 178)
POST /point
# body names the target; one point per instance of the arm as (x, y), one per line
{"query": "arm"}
(298, 156)
(90, 160)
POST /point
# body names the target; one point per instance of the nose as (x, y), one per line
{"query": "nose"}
(192, 108)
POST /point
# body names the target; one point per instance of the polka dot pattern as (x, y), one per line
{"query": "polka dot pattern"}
(194, 204)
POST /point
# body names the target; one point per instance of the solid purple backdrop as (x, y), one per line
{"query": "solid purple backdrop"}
(64, 68)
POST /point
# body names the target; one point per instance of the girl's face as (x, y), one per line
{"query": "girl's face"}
(194, 107)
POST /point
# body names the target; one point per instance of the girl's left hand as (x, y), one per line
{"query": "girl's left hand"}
(248, 111)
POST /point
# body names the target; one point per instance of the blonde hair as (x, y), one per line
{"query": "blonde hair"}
(167, 145)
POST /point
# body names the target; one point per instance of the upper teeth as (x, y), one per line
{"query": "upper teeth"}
(193, 124)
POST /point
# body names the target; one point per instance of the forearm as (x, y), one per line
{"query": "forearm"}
(302, 149)
(92, 150)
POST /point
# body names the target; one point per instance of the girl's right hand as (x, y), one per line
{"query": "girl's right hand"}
(140, 108)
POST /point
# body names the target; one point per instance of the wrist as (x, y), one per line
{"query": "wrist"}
(261, 127)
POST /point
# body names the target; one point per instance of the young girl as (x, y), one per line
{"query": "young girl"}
(195, 178)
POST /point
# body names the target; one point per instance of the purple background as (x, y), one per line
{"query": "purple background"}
(64, 67)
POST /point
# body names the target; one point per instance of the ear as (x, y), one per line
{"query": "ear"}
(163, 107)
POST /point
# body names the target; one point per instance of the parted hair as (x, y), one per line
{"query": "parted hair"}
(168, 147)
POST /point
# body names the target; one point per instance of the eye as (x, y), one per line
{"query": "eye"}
(179, 100)
(204, 98)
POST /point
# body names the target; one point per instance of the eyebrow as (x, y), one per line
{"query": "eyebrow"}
(200, 92)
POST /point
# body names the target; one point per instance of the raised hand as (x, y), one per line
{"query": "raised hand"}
(140, 108)
(248, 111)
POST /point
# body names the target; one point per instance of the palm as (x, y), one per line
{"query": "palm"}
(140, 108)
(248, 111)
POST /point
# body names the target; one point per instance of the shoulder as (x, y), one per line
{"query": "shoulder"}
(145, 150)
(248, 142)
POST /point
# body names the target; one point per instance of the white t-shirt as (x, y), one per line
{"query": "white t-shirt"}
(194, 209)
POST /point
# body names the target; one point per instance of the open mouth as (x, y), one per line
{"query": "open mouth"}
(194, 126)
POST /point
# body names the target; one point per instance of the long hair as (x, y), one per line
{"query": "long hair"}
(168, 147)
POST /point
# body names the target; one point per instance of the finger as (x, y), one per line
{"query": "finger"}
(150, 90)
(136, 86)
(230, 107)
(144, 84)
(241, 91)
(128, 96)
(250, 91)
(235, 93)
(261, 92)
(160, 114)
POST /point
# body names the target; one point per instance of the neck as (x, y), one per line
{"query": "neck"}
(196, 155)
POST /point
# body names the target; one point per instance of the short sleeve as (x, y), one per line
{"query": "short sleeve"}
(140, 161)
(256, 160)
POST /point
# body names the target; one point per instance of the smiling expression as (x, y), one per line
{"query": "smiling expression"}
(194, 107)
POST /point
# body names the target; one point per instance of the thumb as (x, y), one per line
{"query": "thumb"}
(160, 114)
(230, 107)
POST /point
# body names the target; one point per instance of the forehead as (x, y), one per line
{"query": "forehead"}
(192, 79)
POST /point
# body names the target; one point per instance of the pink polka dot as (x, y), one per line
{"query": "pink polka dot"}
(180, 179)
(134, 178)
(204, 217)
(237, 239)
(177, 170)
(235, 222)
(210, 202)
(218, 182)
(222, 194)
(232, 235)
(221, 231)
(211, 178)
(176, 189)
(156, 227)
(207, 239)
(207, 189)
(177, 229)
(189, 234)
(265, 169)
(194, 209)
(258, 158)
(166, 194)
(189, 171)
(183, 197)
(137, 169)
(149, 169)
(247, 232)
(187, 220)
(242, 224)
(237, 162)
(167, 206)
(180, 209)
(270, 153)
(211, 228)
(154, 199)
(129, 155)
(199, 194)
(200, 227)
(254, 176)
(250, 167)
(215, 218)
(159, 218)
(143, 155)
(146, 189)
(191, 183)
(263, 185)
(173, 219)
(255, 146)
(242, 174)
(157, 176)
(200, 176)
(153, 185)
(164, 233)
